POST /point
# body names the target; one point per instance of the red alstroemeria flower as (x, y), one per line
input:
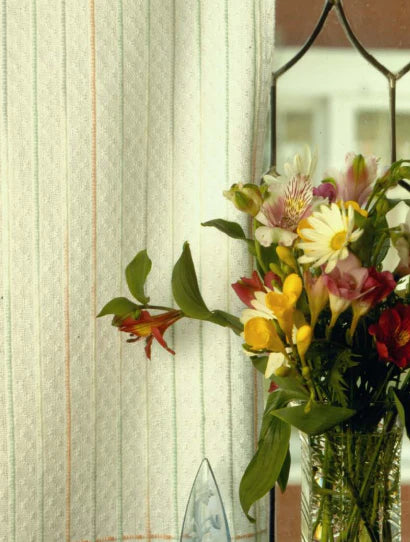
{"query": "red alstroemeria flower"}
(392, 334)
(273, 386)
(150, 328)
(377, 286)
(245, 288)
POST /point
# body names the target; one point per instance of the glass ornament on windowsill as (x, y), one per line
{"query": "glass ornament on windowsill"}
(205, 518)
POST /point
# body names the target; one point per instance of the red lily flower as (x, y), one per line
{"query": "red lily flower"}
(392, 333)
(150, 328)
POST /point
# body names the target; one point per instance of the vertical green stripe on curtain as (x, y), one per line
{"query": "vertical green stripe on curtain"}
(252, 171)
(159, 239)
(146, 195)
(7, 315)
(134, 453)
(147, 508)
(228, 182)
(148, 106)
(176, 525)
(121, 259)
(36, 281)
(255, 97)
(66, 275)
(200, 263)
(93, 251)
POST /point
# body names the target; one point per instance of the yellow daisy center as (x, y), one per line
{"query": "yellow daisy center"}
(338, 240)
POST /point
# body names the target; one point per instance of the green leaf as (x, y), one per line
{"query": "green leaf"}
(136, 274)
(291, 384)
(319, 419)
(233, 229)
(266, 465)
(225, 319)
(336, 381)
(276, 399)
(366, 243)
(118, 306)
(185, 287)
(284, 473)
(260, 363)
(402, 401)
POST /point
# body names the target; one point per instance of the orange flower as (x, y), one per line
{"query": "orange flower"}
(150, 328)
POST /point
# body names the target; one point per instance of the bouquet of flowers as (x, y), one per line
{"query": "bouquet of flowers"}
(327, 322)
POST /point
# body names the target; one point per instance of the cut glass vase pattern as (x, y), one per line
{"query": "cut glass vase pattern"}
(351, 486)
(205, 518)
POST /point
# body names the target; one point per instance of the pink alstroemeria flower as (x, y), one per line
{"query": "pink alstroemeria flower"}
(317, 293)
(355, 183)
(245, 288)
(326, 190)
(281, 213)
(345, 284)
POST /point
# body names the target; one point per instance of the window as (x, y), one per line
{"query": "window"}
(333, 99)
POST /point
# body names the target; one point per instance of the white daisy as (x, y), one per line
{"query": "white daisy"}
(330, 232)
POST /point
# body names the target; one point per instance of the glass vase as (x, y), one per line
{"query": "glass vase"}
(351, 485)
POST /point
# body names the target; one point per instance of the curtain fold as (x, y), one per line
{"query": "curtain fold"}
(121, 124)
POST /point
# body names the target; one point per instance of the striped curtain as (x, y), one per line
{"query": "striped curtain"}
(121, 123)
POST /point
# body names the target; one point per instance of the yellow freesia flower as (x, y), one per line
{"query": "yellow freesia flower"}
(303, 339)
(286, 255)
(293, 285)
(261, 334)
(283, 304)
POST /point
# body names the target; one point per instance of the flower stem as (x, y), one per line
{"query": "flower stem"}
(360, 496)
(383, 387)
(405, 382)
(359, 505)
(379, 245)
(259, 257)
(326, 526)
(156, 307)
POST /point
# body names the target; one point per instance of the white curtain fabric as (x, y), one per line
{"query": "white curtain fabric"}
(121, 123)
